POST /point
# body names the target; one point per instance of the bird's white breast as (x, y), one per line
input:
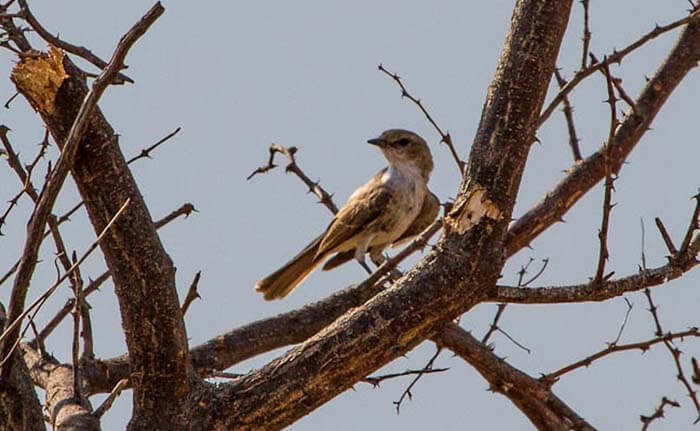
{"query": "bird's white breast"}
(408, 188)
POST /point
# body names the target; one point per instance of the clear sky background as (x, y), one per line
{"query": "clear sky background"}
(237, 76)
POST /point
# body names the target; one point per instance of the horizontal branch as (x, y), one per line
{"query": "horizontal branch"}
(598, 291)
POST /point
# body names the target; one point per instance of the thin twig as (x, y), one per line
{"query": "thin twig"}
(7, 104)
(77, 282)
(107, 403)
(324, 197)
(95, 284)
(407, 391)
(675, 353)
(146, 152)
(12, 203)
(444, 137)
(192, 293)
(642, 346)
(607, 206)
(12, 326)
(624, 323)
(617, 82)
(666, 237)
(692, 227)
(376, 380)
(586, 35)
(569, 116)
(658, 413)
(494, 323)
(545, 262)
(615, 57)
(185, 210)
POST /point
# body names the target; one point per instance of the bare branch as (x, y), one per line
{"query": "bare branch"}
(80, 51)
(615, 57)
(426, 369)
(12, 326)
(569, 116)
(587, 292)
(642, 346)
(35, 230)
(376, 380)
(535, 399)
(324, 197)
(675, 353)
(107, 403)
(586, 35)
(95, 284)
(658, 413)
(146, 152)
(603, 253)
(192, 293)
(666, 237)
(444, 137)
(581, 177)
(692, 227)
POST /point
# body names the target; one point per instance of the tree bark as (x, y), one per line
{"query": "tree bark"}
(143, 273)
(447, 282)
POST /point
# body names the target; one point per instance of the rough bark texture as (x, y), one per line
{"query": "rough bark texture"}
(535, 399)
(583, 176)
(19, 406)
(69, 412)
(446, 283)
(143, 273)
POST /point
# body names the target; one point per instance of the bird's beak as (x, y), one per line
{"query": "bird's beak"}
(377, 141)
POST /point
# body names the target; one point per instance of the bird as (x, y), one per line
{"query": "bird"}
(390, 209)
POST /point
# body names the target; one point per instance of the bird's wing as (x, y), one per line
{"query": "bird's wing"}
(363, 208)
(426, 216)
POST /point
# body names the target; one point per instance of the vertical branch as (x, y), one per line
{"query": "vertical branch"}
(76, 312)
(607, 206)
(569, 116)
(586, 34)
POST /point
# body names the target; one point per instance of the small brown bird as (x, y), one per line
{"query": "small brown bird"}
(390, 209)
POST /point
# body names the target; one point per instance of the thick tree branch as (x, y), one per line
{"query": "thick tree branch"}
(142, 272)
(296, 326)
(583, 176)
(447, 282)
(19, 406)
(22, 76)
(68, 410)
(534, 398)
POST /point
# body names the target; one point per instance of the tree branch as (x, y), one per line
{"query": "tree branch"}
(143, 273)
(535, 399)
(583, 176)
(447, 282)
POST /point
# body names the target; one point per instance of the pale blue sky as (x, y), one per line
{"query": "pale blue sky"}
(237, 76)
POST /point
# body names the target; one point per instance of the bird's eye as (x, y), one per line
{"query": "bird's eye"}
(403, 142)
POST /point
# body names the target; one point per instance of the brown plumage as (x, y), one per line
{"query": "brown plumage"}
(392, 207)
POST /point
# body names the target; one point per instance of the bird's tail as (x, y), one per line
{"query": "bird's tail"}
(281, 282)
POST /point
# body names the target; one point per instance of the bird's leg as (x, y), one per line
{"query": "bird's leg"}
(376, 256)
(361, 250)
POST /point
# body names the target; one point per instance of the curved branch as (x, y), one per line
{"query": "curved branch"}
(583, 176)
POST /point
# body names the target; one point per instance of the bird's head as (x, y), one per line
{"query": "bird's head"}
(405, 147)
